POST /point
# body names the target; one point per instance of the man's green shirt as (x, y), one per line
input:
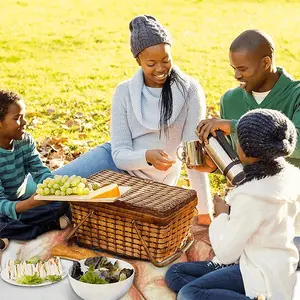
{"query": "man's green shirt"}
(284, 96)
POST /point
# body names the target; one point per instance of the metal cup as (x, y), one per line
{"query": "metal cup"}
(192, 153)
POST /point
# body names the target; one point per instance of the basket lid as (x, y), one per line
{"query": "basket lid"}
(146, 196)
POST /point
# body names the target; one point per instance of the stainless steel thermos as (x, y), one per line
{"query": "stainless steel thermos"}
(226, 159)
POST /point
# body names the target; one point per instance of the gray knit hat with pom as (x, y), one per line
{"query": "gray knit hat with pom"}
(146, 31)
(266, 133)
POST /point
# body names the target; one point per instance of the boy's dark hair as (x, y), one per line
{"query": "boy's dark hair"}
(7, 98)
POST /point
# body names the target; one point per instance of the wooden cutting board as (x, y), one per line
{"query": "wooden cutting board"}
(85, 198)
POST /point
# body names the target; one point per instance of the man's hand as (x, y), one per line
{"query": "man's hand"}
(220, 205)
(207, 166)
(205, 127)
(159, 159)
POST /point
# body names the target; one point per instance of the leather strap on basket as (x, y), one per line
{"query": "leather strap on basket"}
(78, 225)
(169, 259)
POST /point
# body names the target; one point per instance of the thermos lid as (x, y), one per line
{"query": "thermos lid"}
(238, 179)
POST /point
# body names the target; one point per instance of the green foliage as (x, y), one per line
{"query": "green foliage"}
(68, 56)
(217, 183)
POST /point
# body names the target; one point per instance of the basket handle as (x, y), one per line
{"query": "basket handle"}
(169, 259)
(78, 225)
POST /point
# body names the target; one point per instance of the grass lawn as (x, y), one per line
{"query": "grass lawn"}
(66, 56)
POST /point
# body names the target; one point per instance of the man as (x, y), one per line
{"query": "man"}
(262, 85)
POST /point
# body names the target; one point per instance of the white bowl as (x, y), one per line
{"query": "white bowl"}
(110, 291)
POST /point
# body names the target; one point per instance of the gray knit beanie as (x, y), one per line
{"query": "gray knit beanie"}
(146, 31)
(266, 133)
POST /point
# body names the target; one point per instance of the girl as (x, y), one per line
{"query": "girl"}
(256, 238)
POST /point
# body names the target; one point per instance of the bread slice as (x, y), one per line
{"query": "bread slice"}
(73, 252)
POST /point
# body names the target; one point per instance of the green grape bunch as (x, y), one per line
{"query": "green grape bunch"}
(64, 186)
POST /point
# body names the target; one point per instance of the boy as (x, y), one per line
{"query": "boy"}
(22, 217)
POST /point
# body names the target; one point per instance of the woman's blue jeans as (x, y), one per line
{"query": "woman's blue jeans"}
(206, 280)
(91, 162)
(94, 161)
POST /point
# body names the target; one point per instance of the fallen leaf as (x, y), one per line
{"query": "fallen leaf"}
(79, 143)
(56, 147)
(50, 111)
(56, 163)
(33, 114)
(56, 155)
(82, 136)
(78, 122)
(87, 125)
(54, 140)
(79, 115)
(33, 123)
(70, 123)
(54, 152)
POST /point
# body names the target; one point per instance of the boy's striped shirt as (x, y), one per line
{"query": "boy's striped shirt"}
(15, 165)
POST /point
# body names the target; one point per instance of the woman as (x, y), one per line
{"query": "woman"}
(152, 114)
(255, 253)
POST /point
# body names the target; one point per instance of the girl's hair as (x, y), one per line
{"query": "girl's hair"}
(266, 134)
(166, 99)
(7, 98)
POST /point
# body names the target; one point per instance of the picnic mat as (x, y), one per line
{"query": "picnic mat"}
(149, 281)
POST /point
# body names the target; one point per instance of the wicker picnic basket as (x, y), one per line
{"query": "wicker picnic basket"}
(151, 221)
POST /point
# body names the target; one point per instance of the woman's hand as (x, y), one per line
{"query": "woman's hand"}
(159, 159)
(220, 205)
